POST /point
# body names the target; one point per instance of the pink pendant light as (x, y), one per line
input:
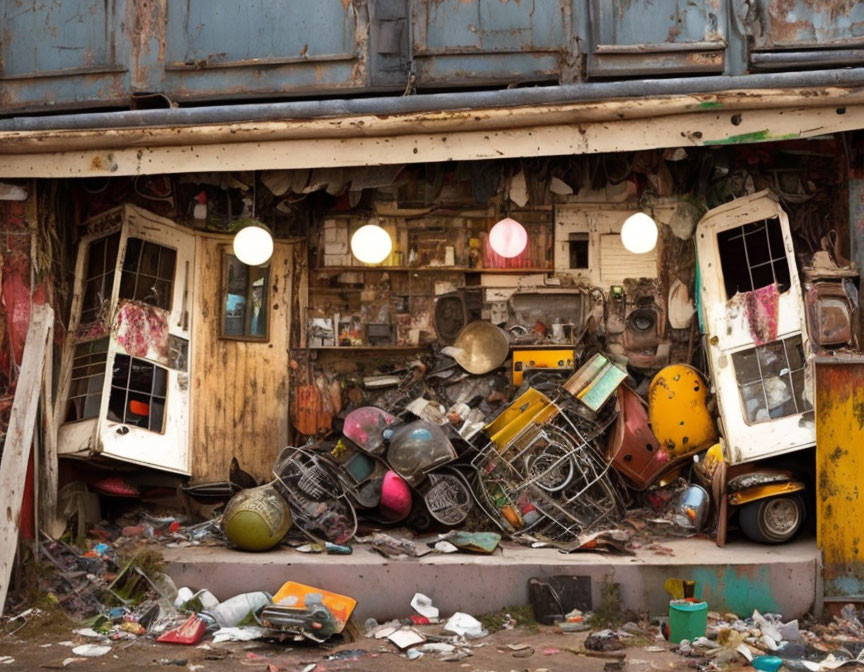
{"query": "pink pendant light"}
(508, 238)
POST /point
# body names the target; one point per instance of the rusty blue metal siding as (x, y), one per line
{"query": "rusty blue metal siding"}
(99, 53)
(489, 41)
(239, 49)
(643, 37)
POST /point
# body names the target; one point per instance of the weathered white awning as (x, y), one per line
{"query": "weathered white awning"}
(715, 118)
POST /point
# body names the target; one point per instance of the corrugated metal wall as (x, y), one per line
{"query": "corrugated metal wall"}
(102, 53)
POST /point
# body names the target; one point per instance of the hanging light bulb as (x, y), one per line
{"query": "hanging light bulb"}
(253, 243)
(508, 238)
(639, 233)
(371, 244)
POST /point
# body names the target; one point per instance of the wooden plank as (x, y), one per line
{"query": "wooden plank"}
(19, 438)
(49, 470)
(239, 387)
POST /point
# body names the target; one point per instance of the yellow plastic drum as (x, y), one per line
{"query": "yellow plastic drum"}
(678, 410)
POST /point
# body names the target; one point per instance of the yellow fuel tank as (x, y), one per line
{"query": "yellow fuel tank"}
(678, 410)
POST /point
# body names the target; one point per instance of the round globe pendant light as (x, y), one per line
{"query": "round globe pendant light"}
(508, 238)
(371, 244)
(253, 243)
(639, 233)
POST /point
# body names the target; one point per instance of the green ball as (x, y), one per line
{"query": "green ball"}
(256, 519)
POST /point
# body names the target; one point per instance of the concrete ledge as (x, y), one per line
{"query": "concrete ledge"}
(738, 578)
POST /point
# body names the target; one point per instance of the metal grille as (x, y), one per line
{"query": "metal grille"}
(550, 480)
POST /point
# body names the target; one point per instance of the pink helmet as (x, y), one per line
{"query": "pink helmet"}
(395, 498)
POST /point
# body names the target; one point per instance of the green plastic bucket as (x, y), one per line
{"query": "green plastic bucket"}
(687, 620)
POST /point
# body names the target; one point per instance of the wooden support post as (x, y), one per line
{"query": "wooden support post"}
(50, 522)
(19, 438)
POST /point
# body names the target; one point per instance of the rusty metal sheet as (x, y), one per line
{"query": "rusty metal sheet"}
(238, 49)
(633, 449)
(61, 54)
(98, 53)
(791, 24)
(643, 37)
(389, 49)
(462, 42)
(840, 475)
(53, 37)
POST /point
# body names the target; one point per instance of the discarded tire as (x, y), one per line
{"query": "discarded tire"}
(772, 520)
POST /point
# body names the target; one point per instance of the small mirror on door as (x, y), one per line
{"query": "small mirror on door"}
(245, 291)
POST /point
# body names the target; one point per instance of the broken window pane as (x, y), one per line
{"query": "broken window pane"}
(138, 391)
(752, 256)
(88, 378)
(99, 277)
(771, 380)
(148, 273)
(244, 300)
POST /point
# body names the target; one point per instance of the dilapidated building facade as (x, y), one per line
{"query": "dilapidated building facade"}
(541, 384)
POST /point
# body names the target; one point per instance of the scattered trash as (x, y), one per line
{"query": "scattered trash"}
(445, 547)
(767, 663)
(68, 661)
(423, 606)
(308, 612)
(604, 640)
(475, 542)
(245, 633)
(191, 632)
(348, 654)
(200, 601)
(405, 638)
(238, 609)
(91, 650)
(465, 625)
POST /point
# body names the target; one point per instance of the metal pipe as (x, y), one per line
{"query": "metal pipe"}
(395, 105)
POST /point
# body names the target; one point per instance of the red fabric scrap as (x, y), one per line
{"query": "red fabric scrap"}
(763, 309)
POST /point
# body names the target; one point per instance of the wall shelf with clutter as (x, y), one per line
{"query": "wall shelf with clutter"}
(391, 304)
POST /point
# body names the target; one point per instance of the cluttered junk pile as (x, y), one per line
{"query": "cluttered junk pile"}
(557, 462)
